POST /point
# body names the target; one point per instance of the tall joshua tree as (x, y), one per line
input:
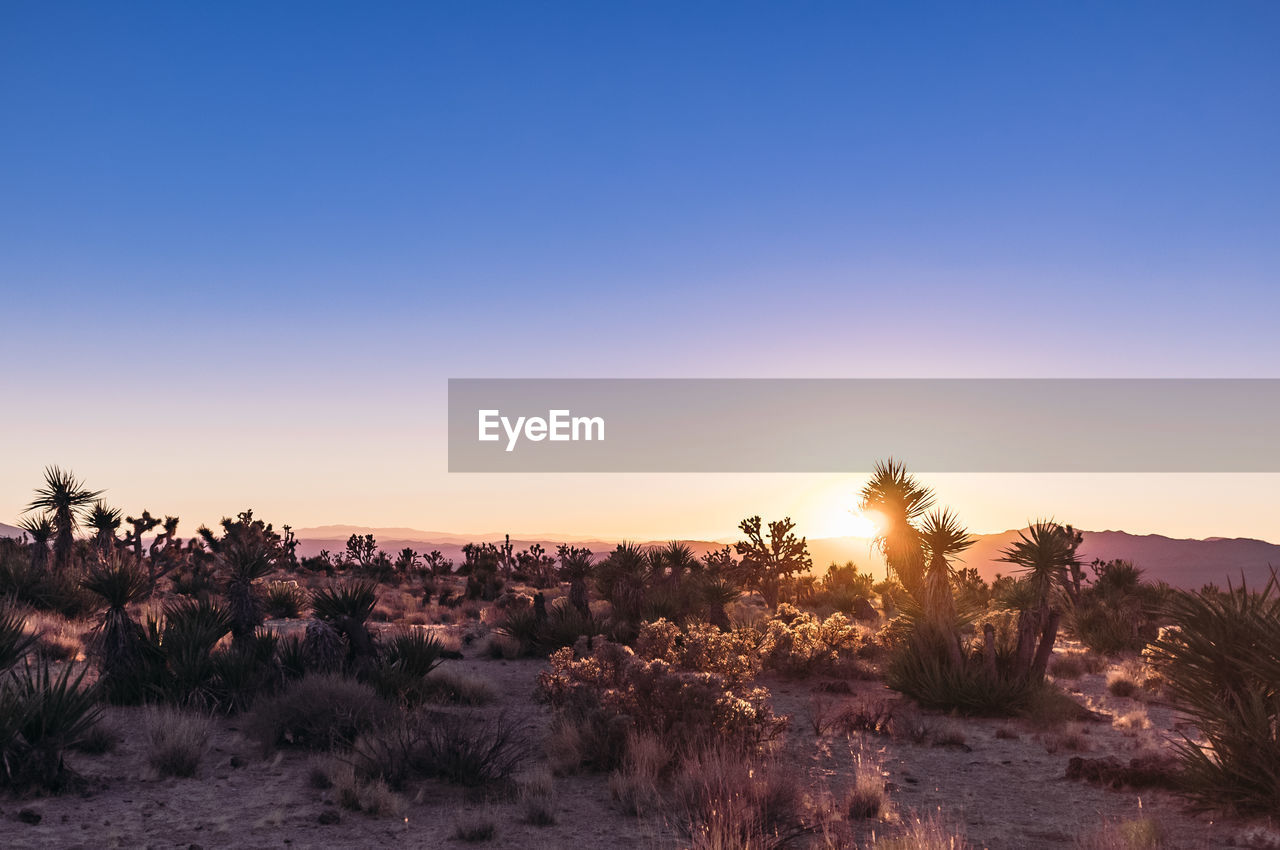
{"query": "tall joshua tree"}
(1046, 553)
(766, 563)
(942, 538)
(64, 496)
(901, 502)
(105, 522)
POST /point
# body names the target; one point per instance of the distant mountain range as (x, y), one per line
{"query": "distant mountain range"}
(1184, 563)
(1181, 562)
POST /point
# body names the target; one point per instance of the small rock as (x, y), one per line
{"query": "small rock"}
(30, 816)
(329, 817)
(236, 761)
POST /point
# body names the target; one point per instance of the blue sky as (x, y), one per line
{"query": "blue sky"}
(285, 225)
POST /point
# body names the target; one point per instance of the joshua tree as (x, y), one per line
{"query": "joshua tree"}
(247, 550)
(942, 539)
(362, 550)
(140, 526)
(105, 522)
(764, 564)
(537, 565)
(901, 502)
(63, 496)
(40, 530)
(1046, 553)
(576, 568)
(407, 561)
(164, 553)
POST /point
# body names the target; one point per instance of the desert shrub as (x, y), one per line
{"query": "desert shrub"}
(42, 715)
(1220, 666)
(538, 799)
(176, 741)
(635, 783)
(463, 748)
(610, 691)
(353, 792)
(407, 658)
(446, 685)
(798, 643)
(285, 600)
(318, 712)
(724, 800)
(192, 628)
(474, 827)
(1066, 667)
(866, 797)
(473, 750)
(244, 671)
(928, 833)
(701, 648)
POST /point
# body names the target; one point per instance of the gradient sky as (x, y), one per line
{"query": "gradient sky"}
(242, 246)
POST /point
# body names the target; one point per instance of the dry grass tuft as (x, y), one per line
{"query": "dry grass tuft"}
(177, 741)
(635, 784)
(1140, 833)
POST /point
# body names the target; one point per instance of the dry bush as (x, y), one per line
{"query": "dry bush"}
(948, 735)
(866, 798)
(798, 643)
(1135, 720)
(635, 784)
(176, 741)
(538, 798)
(465, 749)
(1140, 833)
(701, 648)
(1007, 733)
(564, 748)
(359, 794)
(318, 712)
(929, 833)
(474, 827)
(1071, 739)
(610, 691)
(460, 688)
(1121, 682)
(865, 715)
(1067, 667)
(727, 801)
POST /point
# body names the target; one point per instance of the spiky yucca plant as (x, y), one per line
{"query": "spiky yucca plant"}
(42, 714)
(1221, 667)
(347, 607)
(63, 497)
(120, 643)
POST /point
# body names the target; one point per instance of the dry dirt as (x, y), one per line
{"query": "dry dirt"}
(1006, 793)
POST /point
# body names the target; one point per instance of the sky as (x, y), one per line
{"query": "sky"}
(244, 246)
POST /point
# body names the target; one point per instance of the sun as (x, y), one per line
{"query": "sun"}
(843, 522)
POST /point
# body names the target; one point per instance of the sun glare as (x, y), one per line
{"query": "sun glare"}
(854, 523)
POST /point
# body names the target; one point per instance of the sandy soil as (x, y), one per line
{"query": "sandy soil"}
(1008, 793)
